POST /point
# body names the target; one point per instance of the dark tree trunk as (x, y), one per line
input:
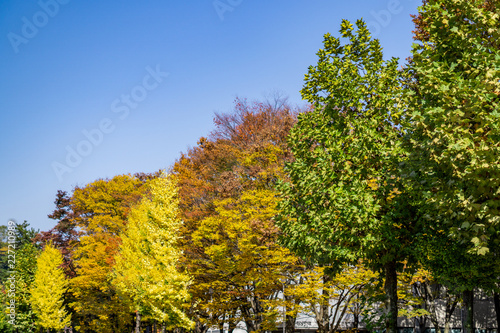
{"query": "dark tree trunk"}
(391, 292)
(422, 320)
(468, 320)
(450, 308)
(289, 319)
(163, 328)
(137, 322)
(496, 300)
(290, 324)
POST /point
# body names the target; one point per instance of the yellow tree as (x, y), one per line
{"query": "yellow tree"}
(47, 293)
(329, 298)
(99, 210)
(246, 266)
(146, 265)
(421, 294)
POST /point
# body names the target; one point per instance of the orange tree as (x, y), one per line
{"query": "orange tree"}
(98, 212)
(219, 180)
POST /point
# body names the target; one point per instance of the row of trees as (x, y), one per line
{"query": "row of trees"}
(374, 201)
(389, 156)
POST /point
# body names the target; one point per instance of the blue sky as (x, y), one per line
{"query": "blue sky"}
(128, 85)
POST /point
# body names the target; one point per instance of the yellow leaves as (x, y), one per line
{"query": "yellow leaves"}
(373, 184)
(103, 204)
(146, 266)
(102, 208)
(48, 290)
(241, 259)
(317, 289)
(393, 193)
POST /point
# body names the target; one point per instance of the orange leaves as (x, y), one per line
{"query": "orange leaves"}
(227, 200)
(100, 210)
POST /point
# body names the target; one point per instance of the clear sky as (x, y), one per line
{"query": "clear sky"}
(92, 89)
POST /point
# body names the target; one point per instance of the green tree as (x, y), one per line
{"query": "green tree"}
(454, 139)
(4, 268)
(344, 201)
(47, 291)
(24, 266)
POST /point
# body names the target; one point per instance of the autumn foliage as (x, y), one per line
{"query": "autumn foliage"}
(377, 201)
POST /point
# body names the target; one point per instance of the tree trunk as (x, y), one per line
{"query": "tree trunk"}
(290, 324)
(468, 305)
(422, 320)
(137, 322)
(435, 323)
(496, 300)
(450, 308)
(154, 327)
(391, 292)
(198, 328)
(322, 318)
(163, 328)
(447, 327)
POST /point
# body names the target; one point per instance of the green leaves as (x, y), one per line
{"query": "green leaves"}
(339, 202)
(455, 128)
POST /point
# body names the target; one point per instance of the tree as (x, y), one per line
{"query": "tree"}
(345, 200)
(24, 266)
(99, 211)
(427, 292)
(146, 264)
(64, 235)
(4, 267)
(247, 266)
(330, 298)
(421, 32)
(246, 152)
(47, 291)
(455, 131)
